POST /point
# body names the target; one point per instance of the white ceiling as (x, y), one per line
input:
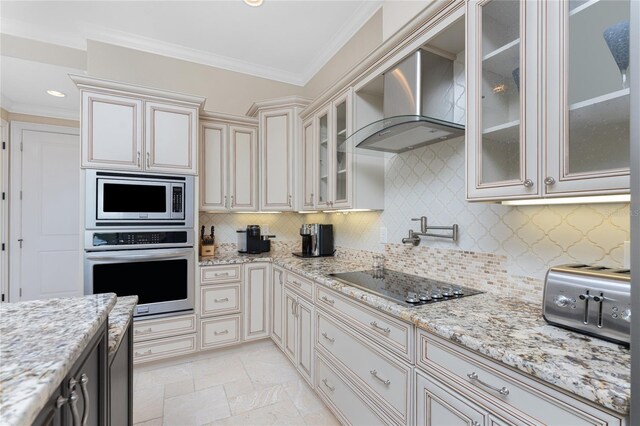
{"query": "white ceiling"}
(25, 83)
(281, 40)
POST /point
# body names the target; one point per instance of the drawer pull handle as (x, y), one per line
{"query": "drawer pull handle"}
(297, 283)
(375, 325)
(144, 353)
(327, 300)
(221, 274)
(331, 388)
(218, 333)
(226, 299)
(502, 391)
(331, 339)
(374, 373)
(147, 331)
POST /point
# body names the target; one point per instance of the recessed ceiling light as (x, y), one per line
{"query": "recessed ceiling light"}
(56, 93)
(253, 3)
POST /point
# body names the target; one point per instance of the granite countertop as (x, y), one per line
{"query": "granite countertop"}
(119, 319)
(40, 341)
(503, 329)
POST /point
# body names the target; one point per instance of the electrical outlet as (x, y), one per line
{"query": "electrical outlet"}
(264, 229)
(383, 235)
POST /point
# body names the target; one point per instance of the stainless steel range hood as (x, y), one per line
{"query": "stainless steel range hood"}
(418, 106)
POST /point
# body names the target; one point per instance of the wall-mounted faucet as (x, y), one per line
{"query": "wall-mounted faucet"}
(414, 237)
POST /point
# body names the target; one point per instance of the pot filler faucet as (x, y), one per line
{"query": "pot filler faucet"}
(414, 237)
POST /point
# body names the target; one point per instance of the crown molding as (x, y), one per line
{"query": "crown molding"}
(348, 30)
(287, 101)
(149, 45)
(228, 118)
(83, 81)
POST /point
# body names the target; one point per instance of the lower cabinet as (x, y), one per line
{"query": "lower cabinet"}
(256, 300)
(439, 405)
(156, 339)
(298, 341)
(349, 405)
(83, 395)
(220, 331)
(277, 302)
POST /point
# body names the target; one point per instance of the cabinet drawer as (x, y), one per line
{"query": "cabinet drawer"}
(220, 274)
(350, 406)
(221, 331)
(163, 348)
(515, 394)
(219, 299)
(392, 334)
(303, 286)
(378, 373)
(163, 327)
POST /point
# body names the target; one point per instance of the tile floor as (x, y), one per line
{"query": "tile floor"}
(253, 384)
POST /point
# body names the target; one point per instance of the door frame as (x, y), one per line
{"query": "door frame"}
(16, 128)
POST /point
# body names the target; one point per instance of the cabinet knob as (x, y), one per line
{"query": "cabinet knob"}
(549, 180)
(528, 183)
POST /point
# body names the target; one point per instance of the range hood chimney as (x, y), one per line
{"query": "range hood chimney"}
(417, 106)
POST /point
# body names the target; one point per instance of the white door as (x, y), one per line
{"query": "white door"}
(243, 168)
(277, 296)
(304, 363)
(256, 297)
(4, 211)
(290, 326)
(308, 164)
(44, 242)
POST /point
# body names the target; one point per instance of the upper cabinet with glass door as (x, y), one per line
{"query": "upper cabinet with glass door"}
(342, 164)
(587, 92)
(502, 83)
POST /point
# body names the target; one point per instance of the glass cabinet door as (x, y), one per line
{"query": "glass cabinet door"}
(502, 59)
(341, 170)
(323, 158)
(588, 133)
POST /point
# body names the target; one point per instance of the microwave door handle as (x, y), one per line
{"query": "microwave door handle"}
(169, 255)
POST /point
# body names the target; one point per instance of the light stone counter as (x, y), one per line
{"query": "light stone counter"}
(40, 341)
(506, 330)
(119, 320)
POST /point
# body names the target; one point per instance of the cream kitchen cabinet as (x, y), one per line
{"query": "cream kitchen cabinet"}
(552, 129)
(228, 163)
(256, 300)
(127, 127)
(454, 377)
(280, 132)
(298, 333)
(276, 307)
(333, 176)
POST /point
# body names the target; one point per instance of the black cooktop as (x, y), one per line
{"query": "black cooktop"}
(404, 289)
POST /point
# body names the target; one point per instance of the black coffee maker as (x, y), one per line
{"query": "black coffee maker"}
(256, 243)
(317, 240)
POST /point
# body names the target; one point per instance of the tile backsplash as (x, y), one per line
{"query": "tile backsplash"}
(500, 248)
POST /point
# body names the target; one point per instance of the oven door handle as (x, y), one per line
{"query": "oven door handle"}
(165, 255)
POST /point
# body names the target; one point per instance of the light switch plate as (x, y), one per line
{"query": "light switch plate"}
(264, 229)
(383, 235)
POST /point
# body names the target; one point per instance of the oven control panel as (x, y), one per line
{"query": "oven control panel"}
(101, 239)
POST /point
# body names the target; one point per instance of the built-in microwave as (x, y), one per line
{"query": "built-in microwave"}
(138, 199)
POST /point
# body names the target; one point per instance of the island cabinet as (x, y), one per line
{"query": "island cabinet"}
(228, 163)
(121, 381)
(457, 386)
(127, 127)
(558, 127)
(82, 397)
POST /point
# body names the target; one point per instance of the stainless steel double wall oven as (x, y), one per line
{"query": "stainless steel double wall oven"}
(139, 239)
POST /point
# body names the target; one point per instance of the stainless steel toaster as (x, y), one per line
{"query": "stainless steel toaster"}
(592, 300)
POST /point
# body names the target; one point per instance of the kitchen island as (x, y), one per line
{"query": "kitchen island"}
(41, 340)
(509, 331)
